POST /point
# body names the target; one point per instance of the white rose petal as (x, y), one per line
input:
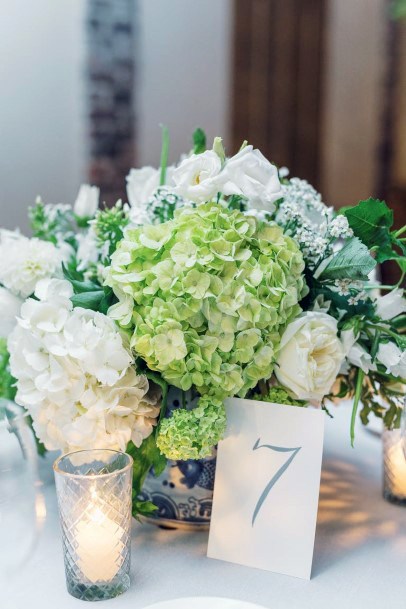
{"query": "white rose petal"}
(251, 175)
(10, 306)
(196, 178)
(310, 356)
(87, 201)
(391, 305)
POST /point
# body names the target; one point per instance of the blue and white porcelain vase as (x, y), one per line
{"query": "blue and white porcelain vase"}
(183, 493)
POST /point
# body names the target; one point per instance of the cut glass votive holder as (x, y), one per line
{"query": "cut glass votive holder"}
(94, 500)
(394, 467)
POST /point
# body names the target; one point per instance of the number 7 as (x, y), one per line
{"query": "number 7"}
(275, 478)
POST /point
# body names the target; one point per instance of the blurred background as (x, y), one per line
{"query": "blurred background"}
(318, 85)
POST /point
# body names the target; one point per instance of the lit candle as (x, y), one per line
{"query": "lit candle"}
(394, 467)
(94, 498)
(99, 546)
(398, 469)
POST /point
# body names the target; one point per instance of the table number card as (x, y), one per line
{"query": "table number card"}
(267, 487)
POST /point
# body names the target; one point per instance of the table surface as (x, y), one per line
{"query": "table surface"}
(359, 556)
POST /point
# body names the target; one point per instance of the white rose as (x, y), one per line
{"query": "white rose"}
(87, 201)
(10, 306)
(393, 359)
(310, 356)
(391, 305)
(196, 178)
(251, 175)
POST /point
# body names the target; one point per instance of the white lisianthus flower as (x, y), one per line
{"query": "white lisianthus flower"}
(143, 182)
(310, 356)
(10, 306)
(196, 178)
(23, 262)
(250, 174)
(88, 251)
(87, 201)
(357, 356)
(75, 375)
(393, 359)
(391, 305)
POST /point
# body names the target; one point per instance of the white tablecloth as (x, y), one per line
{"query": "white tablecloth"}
(359, 558)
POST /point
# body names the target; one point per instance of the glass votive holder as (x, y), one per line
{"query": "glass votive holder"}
(94, 500)
(394, 467)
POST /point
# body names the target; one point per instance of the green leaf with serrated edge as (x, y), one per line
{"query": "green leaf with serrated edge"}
(371, 220)
(145, 457)
(353, 261)
(199, 141)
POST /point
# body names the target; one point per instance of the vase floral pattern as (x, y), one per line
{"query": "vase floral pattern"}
(183, 493)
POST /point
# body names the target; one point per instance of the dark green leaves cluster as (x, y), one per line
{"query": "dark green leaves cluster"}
(371, 221)
(89, 294)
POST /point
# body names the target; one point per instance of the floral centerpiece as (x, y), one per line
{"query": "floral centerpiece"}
(220, 276)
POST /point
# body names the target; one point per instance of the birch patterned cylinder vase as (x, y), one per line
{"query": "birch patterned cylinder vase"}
(394, 467)
(183, 493)
(94, 499)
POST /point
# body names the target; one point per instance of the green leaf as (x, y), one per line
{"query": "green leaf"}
(353, 261)
(88, 300)
(71, 273)
(107, 301)
(41, 450)
(146, 456)
(156, 378)
(142, 508)
(371, 220)
(199, 141)
(80, 287)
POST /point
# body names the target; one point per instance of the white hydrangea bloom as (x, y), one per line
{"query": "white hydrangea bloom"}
(10, 306)
(23, 262)
(75, 376)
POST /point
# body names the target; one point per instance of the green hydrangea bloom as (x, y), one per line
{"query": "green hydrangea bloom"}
(207, 296)
(191, 434)
(278, 395)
